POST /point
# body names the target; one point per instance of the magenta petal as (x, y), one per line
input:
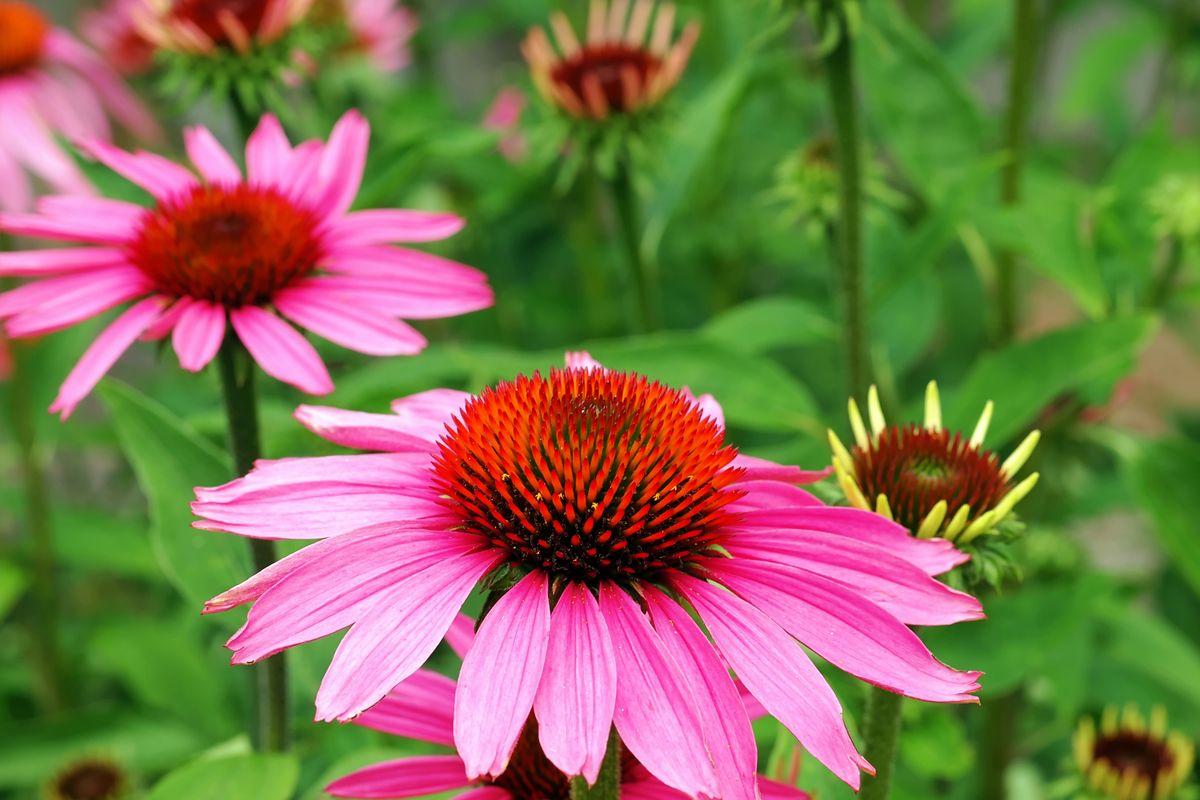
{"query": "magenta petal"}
(461, 636)
(762, 470)
(103, 353)
(650, 790)
(210, 158)
(363, 431)
(578, 692)
(779, 674)
(727, 732)
(422, 708)
(40, 263)
(401, 299)
(761, 495)
(355, 328)
(268, 153)
(280, 350)
(405, 777)
(56, 303)
(500, 677)
(773, 790)
(157, 175)
(198, 334)
(398, 632)
(852, 633)
(655, 712)
(342, 163)
(386, 226)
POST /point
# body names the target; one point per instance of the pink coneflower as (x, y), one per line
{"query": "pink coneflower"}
(222, 246)
(51, 85)
(380, 29)
(422, 708)
(504, 117)
(608, 496)
(112, 31)
(203, 26)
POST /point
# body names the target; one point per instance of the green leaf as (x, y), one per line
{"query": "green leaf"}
(1024, 378)
(770, 323)
(12, 585)
(1164, 476)
(1155, 649)
(263, 776)
(170, 460)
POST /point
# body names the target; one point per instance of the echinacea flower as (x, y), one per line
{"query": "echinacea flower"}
(202, 27)
(51, 85)
(422, 708)
(89, 778)
(626, 62)
(504, 117)
(931, 480)
(1130, 759)
(112, 31)
(380, 29)
(611, 500)
(219, 246)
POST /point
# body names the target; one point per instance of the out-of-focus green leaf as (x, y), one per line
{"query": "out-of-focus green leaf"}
(1024, 378)
(935, 743)
(260, 776)
(1097, 84)
(1164, 476)
(1147, 644)
(769, 323)
(170, 460)
(12, 585)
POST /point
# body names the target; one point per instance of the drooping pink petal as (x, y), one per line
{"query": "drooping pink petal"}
(406, 777)
(399, 631)
(774, 790)
(578, 692)
(103, 353)
(422, 708)
(388, 226)
(762, 470)
(159, 176)
(413, 267)
(656, 711)
(40, 263)
(198, 334)
(779, 674)
(848, 631)
(500, 677)
(723, 718)
(361, 430)
(461, 636)
(355, 328)
(342, 164)
(399, 298)
(650, 790)
(211, 159)
(280, 350)
(47, 306)
(63, 230)
(902, 589)
(98, 216)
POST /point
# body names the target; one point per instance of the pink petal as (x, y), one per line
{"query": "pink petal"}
(411, 266)
(401, 299)
(385, 226)
(268, 153)
(99, 216)
(426, 414)
(103, 353)
(580, 359)
(405, 777)
(282, 352)
(650, 790)
(773, 790)
(210, 158)
(461, 636)
(727, 732)
(779, 674)
(399, 631)
(165, 323)
(709, 406)
(198, 334)
(56, 303)
(762, 470)
(500, 677)
(578, 693)
(39, 263)
(160, 177)
(342, 164)
(655, 712)
(771, 494)
(360, 430)
(902, 589)
(422, 708)
(836, 623)
(91, 231)
(355, 328)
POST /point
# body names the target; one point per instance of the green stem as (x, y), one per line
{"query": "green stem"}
(628, 216)
(608, 782)
(881, 732)
(999, 729)
(843, 96)
(1160, 293)
(1016, 128)
(243, 118)
(41, 532)
(271, 727)
(594, 268)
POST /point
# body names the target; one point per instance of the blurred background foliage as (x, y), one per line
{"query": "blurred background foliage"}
(738, 195)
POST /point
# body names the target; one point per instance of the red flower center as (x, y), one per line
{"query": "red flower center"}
(1145, 754)
(22, 33)
(212, 17)
(916, 467)
(234, 246)
(589, 473)
(89, 780)
(605, 65)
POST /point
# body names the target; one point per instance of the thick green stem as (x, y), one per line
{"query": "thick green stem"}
(1022, 70)
(881, 732)
(843, 97)
(271, 728)
(608, 782)
(44, 630)
(628, 218)
(999, 730)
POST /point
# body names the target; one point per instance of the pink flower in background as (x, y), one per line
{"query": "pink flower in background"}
(115, 35)
(203, 26)
(222, 247)
(422, 708)
(51, 85)
(381, 29)
(613, 496)
(504, 117)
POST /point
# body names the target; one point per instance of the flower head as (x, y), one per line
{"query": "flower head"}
(222, 246)
(931, 480)
(1128, 759)
(607, 502)
(422, 707)
(112, 30)
(50, 86)
(624, 64)
(504, 117)
(381, 30)
(89, 779)
(205, 26)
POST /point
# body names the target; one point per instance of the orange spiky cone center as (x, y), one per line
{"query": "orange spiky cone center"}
(23, 32)
(206, 15)
(609, 66)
